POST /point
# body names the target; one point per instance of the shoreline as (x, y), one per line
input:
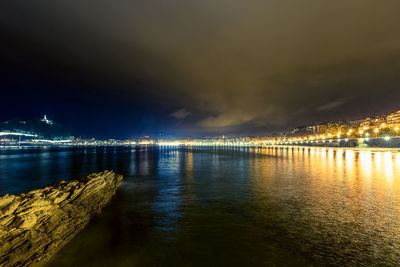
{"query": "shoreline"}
(372, 149)
(355, 148)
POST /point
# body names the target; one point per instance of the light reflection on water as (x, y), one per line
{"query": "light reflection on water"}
(214, 207)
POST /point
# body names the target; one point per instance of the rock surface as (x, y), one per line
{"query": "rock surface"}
(34, 226)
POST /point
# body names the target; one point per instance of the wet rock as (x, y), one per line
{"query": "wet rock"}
(35, 225)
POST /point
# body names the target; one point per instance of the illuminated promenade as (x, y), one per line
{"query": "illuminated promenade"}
(389, 142)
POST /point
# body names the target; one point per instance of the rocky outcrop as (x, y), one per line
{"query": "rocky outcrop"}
(34, 226)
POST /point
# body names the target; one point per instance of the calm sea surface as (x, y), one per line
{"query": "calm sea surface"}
(227, 207)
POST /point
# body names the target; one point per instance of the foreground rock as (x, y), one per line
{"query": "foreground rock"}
(34, 226)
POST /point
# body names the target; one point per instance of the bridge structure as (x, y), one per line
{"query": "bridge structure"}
(5, 133)
(8, 138)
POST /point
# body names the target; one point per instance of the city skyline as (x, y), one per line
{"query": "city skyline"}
(363, 129)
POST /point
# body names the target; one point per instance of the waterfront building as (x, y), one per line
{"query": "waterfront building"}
(366, 123)
(302, 130)
(323, 128)
(355, 123)
(315, 129)
(393, 118)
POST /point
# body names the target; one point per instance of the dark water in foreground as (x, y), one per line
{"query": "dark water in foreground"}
(216, 207)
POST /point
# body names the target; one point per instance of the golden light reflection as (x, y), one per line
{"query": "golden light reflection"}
(358, 168)
(330, 156)
(378, 159)
(388, 165)
(339, 158)
(366, 163)
(323, 153)
(349, 156)
(189, 164)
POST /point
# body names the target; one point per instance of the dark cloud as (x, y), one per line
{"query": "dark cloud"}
(180, 113)
(239, 65)
(334, 104)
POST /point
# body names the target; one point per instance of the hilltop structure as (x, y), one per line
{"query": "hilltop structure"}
(43, 128)
(45, 120)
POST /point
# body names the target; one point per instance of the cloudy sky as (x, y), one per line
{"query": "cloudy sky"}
(121, 68)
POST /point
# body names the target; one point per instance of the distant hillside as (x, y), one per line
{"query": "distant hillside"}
(41, 127)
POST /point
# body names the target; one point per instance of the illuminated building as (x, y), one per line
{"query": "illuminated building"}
(366, 123)
(45, 120)
(393, 118)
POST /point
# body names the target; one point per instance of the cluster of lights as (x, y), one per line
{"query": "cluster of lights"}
(169, 144)
(324, 138)
(51, 141)
(330, 137)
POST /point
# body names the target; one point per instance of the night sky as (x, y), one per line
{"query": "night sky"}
(118, 69)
